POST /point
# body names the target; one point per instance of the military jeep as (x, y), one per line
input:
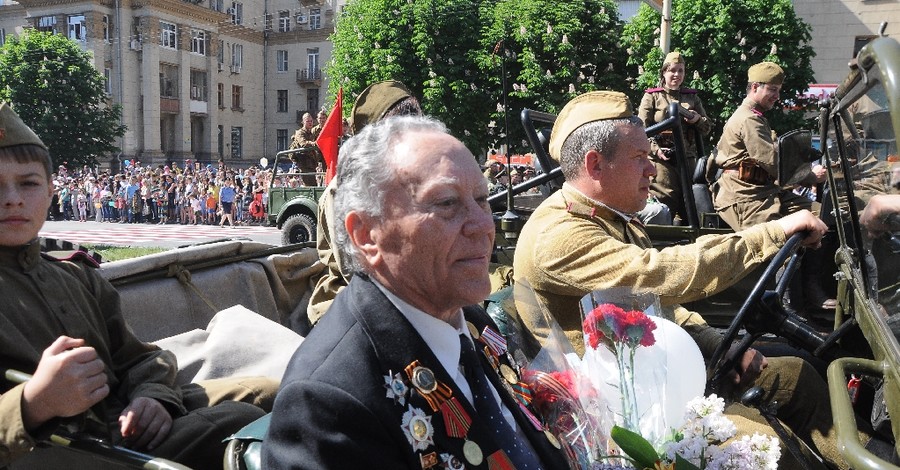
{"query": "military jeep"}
(294, 210)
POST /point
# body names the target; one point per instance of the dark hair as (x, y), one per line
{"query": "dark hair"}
(28, 153)
(408, 106)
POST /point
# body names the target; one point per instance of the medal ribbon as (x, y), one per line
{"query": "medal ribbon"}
(522, 393)
(436, 397)
(499, 461)
(456, 420)
(494, 340)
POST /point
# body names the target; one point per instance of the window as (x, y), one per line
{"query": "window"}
(281, 140)
(236, 92)
(237, 57)
(312, 63)
(237, 141)
(198, 41)
(281, 59)
(312, 98)
(76, 28)
(220, 95)
(315, 18)
(168, 80)
(237, 13)
(859, 42)
(198, 85)
(106, 33)
(221, 54)
(282, 101)
(168, 35)
(46, 24)
(284, 21)
(107, 85)
(217, 5)
(2, 36)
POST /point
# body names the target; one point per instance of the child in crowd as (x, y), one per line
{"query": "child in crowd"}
(196, 209)
(211, 205)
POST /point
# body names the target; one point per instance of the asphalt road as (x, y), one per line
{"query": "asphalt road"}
(152, 235)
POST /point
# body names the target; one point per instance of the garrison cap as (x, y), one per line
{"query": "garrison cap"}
(589, 107)
(673, 57)
(375, 101)
(13, 131)
(766, 72)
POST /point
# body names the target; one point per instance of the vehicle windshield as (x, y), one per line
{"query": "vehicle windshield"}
(871, 166)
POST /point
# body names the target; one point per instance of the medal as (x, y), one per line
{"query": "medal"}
(396, 388)
(417, 427)
(494, 340)
(499, 461)
(451, 462)
(423, 379)
(473, 331)
(473, 453)
(428, 460)
(456, 420)
(509, 374)
(553, 440)
(433, 391)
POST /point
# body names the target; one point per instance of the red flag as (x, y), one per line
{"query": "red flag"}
(330, 136)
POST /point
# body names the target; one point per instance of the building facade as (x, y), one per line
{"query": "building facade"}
(197, 79)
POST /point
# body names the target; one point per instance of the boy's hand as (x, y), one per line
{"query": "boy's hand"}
(145, 423)
(70, 378)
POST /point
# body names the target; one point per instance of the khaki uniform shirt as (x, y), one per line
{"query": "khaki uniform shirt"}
(332, 279)
(572, 245)
(656, 102)
(303, 137)
(43, 300)
(746, 136)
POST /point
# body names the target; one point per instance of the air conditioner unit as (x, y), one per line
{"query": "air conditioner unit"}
(136, 45)
(221, 66)
(229, 10)
(235, 69)
(301, 19)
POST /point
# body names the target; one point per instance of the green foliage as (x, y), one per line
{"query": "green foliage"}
(720, 40)
(56, 90)
(451, 53)
(641, 452)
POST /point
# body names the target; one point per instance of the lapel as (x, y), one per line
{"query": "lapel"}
(397, 345)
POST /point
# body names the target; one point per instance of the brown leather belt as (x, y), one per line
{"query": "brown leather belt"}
(749, 172)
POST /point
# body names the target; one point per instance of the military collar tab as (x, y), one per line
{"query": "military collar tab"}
(654, 90)
(592, 208)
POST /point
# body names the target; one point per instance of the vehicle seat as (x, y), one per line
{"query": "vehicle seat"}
(700, 187)
(544, 138)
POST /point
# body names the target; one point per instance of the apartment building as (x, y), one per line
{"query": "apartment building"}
(197, 79)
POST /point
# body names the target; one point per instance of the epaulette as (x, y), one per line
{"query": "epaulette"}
(756, 111)
(654, 90)
(690, 91)
(75, 256)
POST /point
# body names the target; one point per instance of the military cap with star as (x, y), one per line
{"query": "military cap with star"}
(15, 132)
(589, 107)
(375, 101)
(766, 72)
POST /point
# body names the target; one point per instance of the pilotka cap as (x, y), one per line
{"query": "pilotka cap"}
(673, 57)
(766, 72)
(589, 107)
(375, 101)
(13, 131)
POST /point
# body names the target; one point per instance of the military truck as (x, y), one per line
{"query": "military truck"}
(294, 210)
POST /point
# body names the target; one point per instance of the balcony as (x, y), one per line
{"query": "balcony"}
(309, 76)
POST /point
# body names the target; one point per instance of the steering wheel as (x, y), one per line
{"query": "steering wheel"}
(722, 363)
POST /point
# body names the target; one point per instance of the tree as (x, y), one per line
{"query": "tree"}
(451, 54)
(53, 86)
(720, 40)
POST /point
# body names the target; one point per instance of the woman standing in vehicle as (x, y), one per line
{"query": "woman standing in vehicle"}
(667, 186)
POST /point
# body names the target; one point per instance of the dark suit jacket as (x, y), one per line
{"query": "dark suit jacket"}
(333, 410)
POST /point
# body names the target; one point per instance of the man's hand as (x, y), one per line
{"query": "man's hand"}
(804, 221)
(70, 378)
(145, 423)
(875, 216)
(819, 172)
(750, 366)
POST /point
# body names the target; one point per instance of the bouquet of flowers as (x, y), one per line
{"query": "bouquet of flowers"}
(696, 444)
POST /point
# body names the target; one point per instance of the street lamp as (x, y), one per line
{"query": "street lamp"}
(510, 222)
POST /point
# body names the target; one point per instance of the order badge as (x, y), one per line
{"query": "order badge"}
(473, 453)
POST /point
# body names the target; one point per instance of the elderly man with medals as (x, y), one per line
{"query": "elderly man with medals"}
(405, 371)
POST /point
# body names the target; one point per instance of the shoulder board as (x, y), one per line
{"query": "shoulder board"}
(690, 91)
(756, 111)
(75, 256)
(654, 90)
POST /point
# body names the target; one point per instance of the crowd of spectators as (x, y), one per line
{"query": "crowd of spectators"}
(187, 194)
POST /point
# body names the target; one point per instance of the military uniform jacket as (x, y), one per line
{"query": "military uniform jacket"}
(332, 279)
(335, 411)
(746, 136)
(43, 300)
(572, 245)
(655, 103)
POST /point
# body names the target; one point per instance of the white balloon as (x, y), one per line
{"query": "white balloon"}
(667, 375)
(263, 162)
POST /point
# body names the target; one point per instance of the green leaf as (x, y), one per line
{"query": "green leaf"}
(635, 447)
(682, 464)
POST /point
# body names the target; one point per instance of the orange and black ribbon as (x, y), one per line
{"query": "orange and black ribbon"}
(456, 421)
(436, 394)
